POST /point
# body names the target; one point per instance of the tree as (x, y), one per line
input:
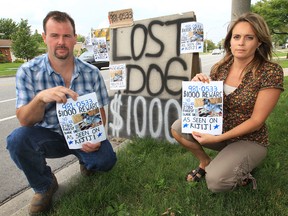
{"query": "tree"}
(7, 28)
(24, 45)
(80, 38)
(42, 47)
(275, 12)
(208, 45)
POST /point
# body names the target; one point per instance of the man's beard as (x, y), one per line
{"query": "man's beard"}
(61, 56)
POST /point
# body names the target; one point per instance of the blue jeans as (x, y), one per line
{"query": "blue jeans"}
(30, 146)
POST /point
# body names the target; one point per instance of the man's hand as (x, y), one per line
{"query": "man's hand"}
(90, 147)
(58, 94)
(34, 111)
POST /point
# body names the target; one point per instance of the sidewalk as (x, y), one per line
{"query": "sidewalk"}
(18, 206)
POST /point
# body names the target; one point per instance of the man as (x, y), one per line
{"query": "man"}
(40, 84)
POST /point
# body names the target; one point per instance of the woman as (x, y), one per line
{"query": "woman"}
(252, 87)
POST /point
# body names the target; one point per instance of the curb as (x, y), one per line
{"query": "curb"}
(18, 206)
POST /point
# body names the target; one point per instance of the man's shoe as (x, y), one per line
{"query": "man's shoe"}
(85, 172)
(41, 202)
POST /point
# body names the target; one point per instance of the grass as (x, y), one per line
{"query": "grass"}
(9, 69)
(148, 180)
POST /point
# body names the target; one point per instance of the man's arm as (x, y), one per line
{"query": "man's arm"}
(33, 112)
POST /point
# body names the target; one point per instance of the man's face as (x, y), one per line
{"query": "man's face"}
(60, 39)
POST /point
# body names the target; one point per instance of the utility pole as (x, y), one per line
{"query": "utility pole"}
(239, 7)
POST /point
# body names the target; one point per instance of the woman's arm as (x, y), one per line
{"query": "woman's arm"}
(265, 103)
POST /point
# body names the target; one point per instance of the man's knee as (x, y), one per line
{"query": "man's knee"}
(104, 160)
(15, 139)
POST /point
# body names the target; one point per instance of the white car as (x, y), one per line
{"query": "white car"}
(216, 52)
(88, 56)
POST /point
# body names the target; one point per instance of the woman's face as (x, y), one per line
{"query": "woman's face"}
(244, 42)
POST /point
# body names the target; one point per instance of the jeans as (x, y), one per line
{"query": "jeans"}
(30, 146)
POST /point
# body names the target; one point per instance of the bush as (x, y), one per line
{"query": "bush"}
(3, 58)
(18, 61)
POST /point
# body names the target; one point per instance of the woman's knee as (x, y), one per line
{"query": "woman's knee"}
(218, 183)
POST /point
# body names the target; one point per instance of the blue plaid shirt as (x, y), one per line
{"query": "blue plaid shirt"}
(37, 75)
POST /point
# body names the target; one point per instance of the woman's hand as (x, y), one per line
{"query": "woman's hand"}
(90, 147)
(201, 77)
(204, 138)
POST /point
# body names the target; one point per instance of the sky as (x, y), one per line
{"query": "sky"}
(215, 15)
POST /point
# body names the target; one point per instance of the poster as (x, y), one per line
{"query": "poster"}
(117, 76)
(202, 107)
(192, 37)
(100, 49)
(81, 121)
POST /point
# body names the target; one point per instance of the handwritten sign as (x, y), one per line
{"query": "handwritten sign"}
(120, 18)
(202, 107)
(81, 121)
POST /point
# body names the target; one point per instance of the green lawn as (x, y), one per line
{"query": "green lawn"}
(9, 69)
(148, 180)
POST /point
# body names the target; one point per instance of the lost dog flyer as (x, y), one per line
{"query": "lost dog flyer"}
(202, 107)
(81, 121)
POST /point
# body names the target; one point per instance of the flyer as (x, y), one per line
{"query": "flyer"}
(117, 76)
(192, 37)
(202, 107)
(81, 121)
(100, 49)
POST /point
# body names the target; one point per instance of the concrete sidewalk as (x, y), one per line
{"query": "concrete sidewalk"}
(18, 206)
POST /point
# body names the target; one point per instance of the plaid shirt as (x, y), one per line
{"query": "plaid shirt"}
(37, 75)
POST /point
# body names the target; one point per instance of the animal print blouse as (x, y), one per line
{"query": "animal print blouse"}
(238, 106)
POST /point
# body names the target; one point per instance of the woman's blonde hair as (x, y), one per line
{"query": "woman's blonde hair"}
(263, 52)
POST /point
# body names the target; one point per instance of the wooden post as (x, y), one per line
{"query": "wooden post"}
(196, 66)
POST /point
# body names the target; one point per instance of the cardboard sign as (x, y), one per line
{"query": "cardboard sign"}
(121, 18)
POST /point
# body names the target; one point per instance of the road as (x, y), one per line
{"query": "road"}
(12, 180)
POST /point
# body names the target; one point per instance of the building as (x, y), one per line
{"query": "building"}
(5, 49)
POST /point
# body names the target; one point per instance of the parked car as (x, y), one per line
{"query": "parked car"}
(216, 52)
(88, 57)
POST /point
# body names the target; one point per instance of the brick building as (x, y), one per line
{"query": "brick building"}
(5, 49)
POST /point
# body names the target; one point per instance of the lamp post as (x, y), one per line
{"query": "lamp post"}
(239, 7)
(206, 42)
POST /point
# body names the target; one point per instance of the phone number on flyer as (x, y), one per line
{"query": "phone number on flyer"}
(78, 104)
